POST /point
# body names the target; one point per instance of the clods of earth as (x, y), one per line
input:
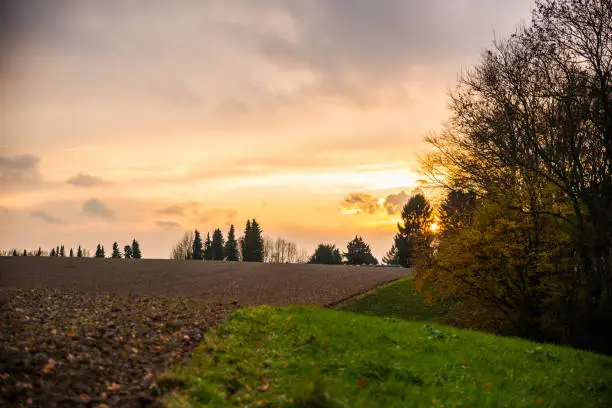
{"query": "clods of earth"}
(61, 348)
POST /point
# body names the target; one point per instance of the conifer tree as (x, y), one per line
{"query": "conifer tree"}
(57, 251)
(257, 242)
(217, 245)
(79, 252)
(116, 253)
(100, 251)
(127, 252)
(62, 251)
(359, 253)
(245, 242)
(136, 254)
(208, 247)
(196, 252)
(71, 253)
(414, 234)
(52, 253)
(231, 246)
(39, 253)
(25, 252)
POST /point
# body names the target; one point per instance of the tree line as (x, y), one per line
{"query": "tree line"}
(525, 246)
(129, 251)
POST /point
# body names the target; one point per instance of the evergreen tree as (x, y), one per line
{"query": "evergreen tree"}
(15, 252)
(71, 253)
(326, 254)
(208, 248)
(392, 257)
(414, 234)
(100, 251)
(25, 252)
(196, 252)
(257, 242)
(79, 252)
(457, 210)
(359, 253)
(136, 254)
(127, 252)
(52, 253)
(116, 253)
(57, 251)
(39, 253)
(231, 246)
(62, 251)
(217, 245)
(244, 242)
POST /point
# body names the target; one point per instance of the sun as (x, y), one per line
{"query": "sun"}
(434, 227)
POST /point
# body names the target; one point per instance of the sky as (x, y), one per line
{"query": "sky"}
(133, 119)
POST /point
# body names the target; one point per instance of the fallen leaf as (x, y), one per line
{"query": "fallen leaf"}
(114, 387)
(49, 366)
(265, 385)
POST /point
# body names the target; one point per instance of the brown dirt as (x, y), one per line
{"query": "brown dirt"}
(217, 282)
(63, 348)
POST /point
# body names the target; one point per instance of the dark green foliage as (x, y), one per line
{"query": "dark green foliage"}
(391, 257)
(217, 245)
(39, 253)
(208, 248)
(71, 253)
(136, 254)
(326, 254)
(413, 231)
(127, 252)
(57, 251)
(243, 240)
(52, 253)
(62, 251)
(252, 243)
(100, 251)
(231, 245)
(25, 252)
(196, 252)
(116, 253)
(359, 253)
(79, 252)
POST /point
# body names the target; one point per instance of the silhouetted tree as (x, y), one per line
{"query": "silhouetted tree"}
(359, 253)
(71, 253)
(127, 252)
(231, 245)
(136, 254)
(39, 253)
(52, 253)
(456, 210)
(62, 251)
(25, 252)
(196, 252)
(79, 252)
(253, 244)
(391, 257)
(243, 241)
(57, 251)
(217, 245)
(414, 233)
(208, 248)
(100, 251)
(116, 253)
(326, 254)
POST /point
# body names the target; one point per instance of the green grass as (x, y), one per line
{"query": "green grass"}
(397, 299)
(311, 357)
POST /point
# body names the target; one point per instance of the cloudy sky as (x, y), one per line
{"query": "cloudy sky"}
(125, 119)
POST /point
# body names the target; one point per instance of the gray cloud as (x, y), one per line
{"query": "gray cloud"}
(97, 208)
(394, 203)
(168, 224)
(361, 202)
(24, 168)
(173, 210)
(42, 215)
(86, 180)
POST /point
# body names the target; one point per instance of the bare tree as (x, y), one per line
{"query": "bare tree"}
(183, 249)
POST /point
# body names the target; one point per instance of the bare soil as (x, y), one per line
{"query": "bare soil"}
(215, 282)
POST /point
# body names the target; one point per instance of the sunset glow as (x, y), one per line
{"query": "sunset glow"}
(180, 115)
